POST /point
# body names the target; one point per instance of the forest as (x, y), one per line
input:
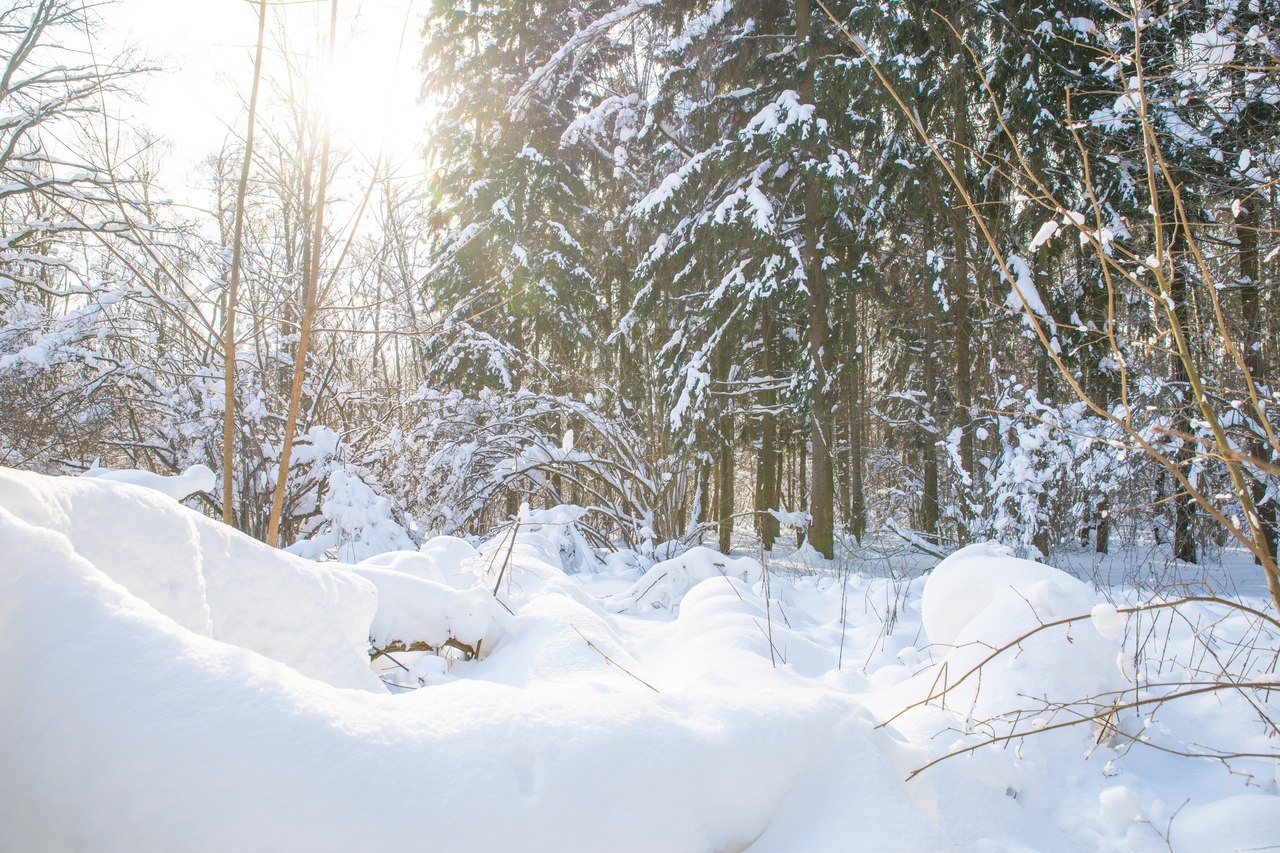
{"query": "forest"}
(853, 288)
(971, 286)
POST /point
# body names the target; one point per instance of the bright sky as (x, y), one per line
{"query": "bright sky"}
(206, 47)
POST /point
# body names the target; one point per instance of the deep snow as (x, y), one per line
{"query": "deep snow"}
(167, 684)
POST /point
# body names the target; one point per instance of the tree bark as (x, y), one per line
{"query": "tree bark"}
(308, 316)
(1184, 508)
(233, 288)
(724, 454)
(961, 297)
(1254, 338)
(766, 497)
(857, 421)
(822, 487)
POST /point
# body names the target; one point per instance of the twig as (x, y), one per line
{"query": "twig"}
(611, 661)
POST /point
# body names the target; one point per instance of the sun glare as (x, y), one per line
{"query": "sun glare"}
(370, 96)
(371, 104)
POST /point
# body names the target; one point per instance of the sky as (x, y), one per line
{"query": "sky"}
(206, 48)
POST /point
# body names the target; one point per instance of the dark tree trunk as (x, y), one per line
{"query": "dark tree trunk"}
(802, 471)
(724, 454)
(1254, 337)
(1184, 512)
(961, 297)
(766, 497)
(857, 410)
(928, 435)
(822, 488)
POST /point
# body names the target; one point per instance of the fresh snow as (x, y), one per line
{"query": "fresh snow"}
(169, 684)
(197, 478)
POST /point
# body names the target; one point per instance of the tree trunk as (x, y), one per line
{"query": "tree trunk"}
(928, 434)
(308, 317)
(766, 497)
(1184, 513)
(857, 412)
(961, 297)
(724, 453)
(802, 472)
(1254, 338)
(822, 488)
(233, 289)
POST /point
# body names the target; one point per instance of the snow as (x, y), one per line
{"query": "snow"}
(1107, 620)
(1023, 293)
(202, 577)
(1044, 235)
(414, 609)
(667, 583)
(981, 599)
(781, 115)
(357, 522)
(168, 684)
(197, 478)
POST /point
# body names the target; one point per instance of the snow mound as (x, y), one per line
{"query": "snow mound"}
(981, 605)
(664, 585)
(413, 609)
(413, 563)
(977, 581)
(165, 738)
(197, 478)
(204, 576)
(454, 559)
(1228, 825)
(169, 684)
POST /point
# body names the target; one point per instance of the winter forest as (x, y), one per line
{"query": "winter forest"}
(654, 425)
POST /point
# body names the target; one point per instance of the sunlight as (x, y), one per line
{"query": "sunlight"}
(371, 95)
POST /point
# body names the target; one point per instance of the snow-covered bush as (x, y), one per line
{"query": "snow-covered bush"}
(338, 514)
(465, 464)
(1056, 470)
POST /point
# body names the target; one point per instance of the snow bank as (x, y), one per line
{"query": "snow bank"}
(167, 684)
(981, 599)
(197, 478)
(167, 739)
(204, 576)
(415, 609)
(454, 559)
(666, 583)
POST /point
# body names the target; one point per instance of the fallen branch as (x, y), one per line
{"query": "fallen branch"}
(469, 652)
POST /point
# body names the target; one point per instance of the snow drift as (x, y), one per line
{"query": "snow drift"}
(131, 723)
(168, 684)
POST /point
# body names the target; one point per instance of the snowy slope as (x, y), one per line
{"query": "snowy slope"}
(168, 685)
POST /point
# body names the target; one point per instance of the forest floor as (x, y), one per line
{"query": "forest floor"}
(168, 684)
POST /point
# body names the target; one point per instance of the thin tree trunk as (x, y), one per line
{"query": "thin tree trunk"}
(724, 453)
(929, 503)
(1184, 511)
(857, 411)
(961, 298)
(802, 471)
(308, 315)
(233, 289)
(821, 422)
(1248, 225)
(766, 461)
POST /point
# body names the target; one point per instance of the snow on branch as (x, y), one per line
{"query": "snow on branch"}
(539, 83)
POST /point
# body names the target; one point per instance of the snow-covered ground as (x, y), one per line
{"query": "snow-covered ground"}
(167, 684)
